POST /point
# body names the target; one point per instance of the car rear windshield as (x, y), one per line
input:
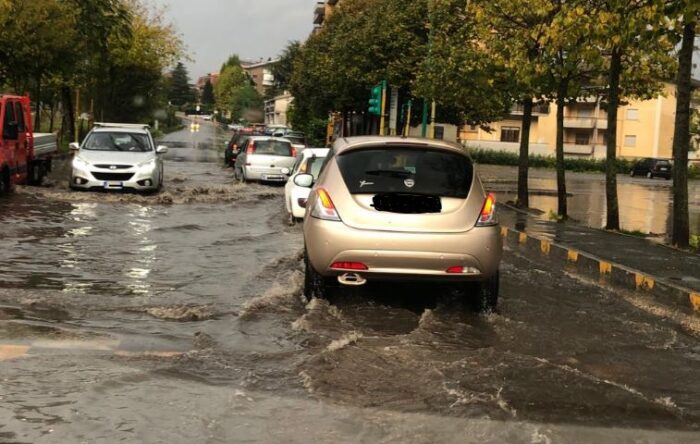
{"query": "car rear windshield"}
(117, 141)
(410, 171)
(273, 147)
(296, 140)
(663, 163)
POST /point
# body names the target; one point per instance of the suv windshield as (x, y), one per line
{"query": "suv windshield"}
(426, 172)
(117, 141)
(272, 147)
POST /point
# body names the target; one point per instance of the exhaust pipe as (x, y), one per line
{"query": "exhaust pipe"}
(352, 279)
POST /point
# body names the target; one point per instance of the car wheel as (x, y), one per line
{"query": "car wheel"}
(315, 285)
(650, 175)
(487, 293)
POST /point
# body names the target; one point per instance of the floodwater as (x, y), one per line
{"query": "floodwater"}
(646, 205)
(127, 318)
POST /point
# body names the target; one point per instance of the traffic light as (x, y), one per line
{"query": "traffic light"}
(375, 100)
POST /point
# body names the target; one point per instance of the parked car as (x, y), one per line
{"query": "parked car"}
(263, 158)
(233, 145)
(117, 156)
(386, 208)
(652, 168)
(25, 156)
(270, 130)
(295, 197)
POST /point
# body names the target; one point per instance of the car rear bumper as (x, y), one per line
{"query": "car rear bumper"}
(267, 175)
(388, 255)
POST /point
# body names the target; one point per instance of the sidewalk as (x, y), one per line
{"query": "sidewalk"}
(643, 263)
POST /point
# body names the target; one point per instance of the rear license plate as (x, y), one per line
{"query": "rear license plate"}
(664, 169)
(273, 177)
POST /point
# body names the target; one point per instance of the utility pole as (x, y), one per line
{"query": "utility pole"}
(77, 115)
(382, 117)
(432, 120)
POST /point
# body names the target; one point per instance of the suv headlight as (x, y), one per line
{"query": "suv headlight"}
(148, 165)
(80, 163)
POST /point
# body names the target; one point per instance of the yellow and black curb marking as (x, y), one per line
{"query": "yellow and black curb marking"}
(606, 271)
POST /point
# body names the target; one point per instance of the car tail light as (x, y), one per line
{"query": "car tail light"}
(251, 148)
(488, 212)
(324, 208)
(349, 266)
(459, 269)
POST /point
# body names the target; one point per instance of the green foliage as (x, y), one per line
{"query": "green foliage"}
(284, 68)
(180, 92)
(538, 161)
(208, 94)
(236, 95)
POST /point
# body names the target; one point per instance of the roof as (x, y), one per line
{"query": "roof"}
(346, 143)
(113, 129)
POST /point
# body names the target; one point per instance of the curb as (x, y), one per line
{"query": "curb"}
(605, 271)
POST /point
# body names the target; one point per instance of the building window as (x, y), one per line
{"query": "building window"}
(582, 139)
(472, 128)
(631, 141)
(632, 114)
(440, 132)
(510, 134)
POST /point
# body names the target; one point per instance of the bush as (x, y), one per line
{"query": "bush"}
(538, 161)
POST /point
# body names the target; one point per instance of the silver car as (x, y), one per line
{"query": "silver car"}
(117, 157)
(264, 159)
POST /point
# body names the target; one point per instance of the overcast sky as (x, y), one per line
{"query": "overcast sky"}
(215, 29)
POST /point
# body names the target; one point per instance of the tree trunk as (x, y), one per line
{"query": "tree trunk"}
(524, 162)
(681, 139)
(37, 117)
(68, 113)
(562, 209)
(52, 116)
(613, 212)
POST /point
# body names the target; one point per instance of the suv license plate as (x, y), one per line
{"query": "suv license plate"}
(113, 185)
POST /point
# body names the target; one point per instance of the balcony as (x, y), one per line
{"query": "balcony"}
(319, 13)
(539, 109)
(580, 123)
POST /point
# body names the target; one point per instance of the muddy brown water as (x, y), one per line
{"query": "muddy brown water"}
(129, 318)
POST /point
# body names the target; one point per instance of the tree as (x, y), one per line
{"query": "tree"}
(284, 68)
(681, 134)
(637, 58)
(208, 93)
(181, 92)
(235, 93)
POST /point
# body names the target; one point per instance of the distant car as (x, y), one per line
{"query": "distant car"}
(652, 168)
(207, 117)
(117, 156)
(270, 130)
(233, 145)
(235, 126)
(297, 138)
(263, 159)
(389, 208)
(308, 162)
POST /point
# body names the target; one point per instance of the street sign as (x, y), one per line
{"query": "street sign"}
(394, 111)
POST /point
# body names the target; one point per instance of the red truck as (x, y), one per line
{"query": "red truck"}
(25, 156)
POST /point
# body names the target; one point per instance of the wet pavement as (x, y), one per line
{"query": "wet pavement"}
(127, 318)
(645, 204)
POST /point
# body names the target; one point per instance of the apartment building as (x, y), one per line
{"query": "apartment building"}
(261, 73)
(276, 109)
(644, 129)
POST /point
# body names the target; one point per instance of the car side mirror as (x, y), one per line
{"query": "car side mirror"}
(11, 131)
(162, 149)
(74, 146)
(304, 180)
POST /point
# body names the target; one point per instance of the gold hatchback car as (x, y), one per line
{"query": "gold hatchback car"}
(388, 208)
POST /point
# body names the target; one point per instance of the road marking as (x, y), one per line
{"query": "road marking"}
(8, 352)
(695, 301)
(643, 282)
(572, 256)
(545, 247)
(523, 238)
(605, 267)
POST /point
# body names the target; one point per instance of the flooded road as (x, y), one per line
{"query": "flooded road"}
(180, 317)
(646, 205)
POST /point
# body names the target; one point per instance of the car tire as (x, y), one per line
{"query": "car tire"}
(650, 175)
(315, 285)
(487, 293)
(5, 185)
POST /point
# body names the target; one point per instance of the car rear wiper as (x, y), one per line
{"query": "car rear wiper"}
(393, 173)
